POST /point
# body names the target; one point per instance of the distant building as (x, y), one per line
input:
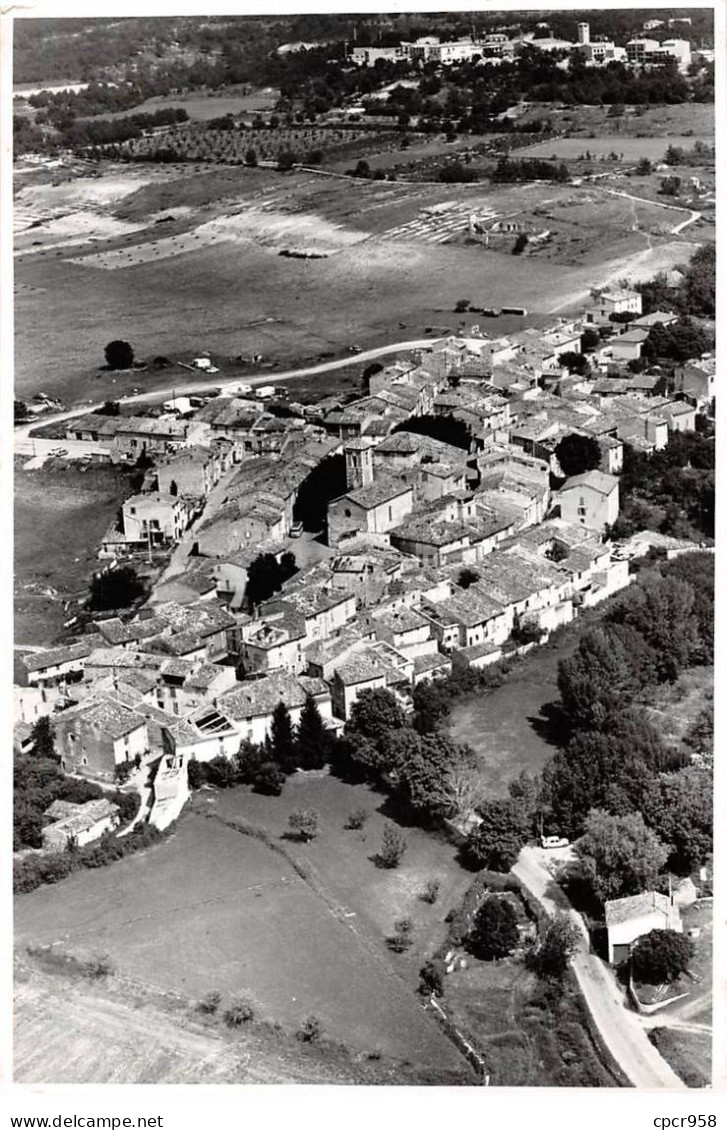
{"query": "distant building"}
(98, 735)
(590, 500)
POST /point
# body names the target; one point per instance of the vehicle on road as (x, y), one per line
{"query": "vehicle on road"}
(58, 451)
(554, 842)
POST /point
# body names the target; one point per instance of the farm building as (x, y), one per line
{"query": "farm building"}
(628, 919)
(78, 823)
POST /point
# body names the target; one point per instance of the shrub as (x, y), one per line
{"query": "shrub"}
(239, 1012)
(210, 1003)
(495, 933)
(356, 819)
(310, 1030)
(100, 965)
(393, 846)
(402, 938)
(431, 978)
(430, 893)
(659, 956)
(304, 823)
(269, 779)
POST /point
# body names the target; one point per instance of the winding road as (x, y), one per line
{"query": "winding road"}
(620, 1030)
(22, 433)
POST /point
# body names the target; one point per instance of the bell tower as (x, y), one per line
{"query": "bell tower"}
(359, 464)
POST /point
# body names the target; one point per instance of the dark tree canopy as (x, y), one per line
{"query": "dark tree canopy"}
(496, 842)
(312, 736)
(494, 932)
(578, 454)
(119, 355)
(117, 588)
(556, 947)
(660, 956)
(620, 855)
(282, 740)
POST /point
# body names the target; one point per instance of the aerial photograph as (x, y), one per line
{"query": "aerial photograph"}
(364, 512)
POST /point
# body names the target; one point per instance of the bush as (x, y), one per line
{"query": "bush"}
(356, 820)
(431, 978)
(99, 966)
(304, 823)
(660, 956)
(310, 1030)
(393, 846)
(269, 779)
(495, 933)
(210, 1003)
(239, 1012)
(430, 893)
(401, 939)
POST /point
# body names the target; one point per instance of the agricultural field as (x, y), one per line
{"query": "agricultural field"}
(626, 147)
(685, 120)
(392, 252)
(69, 1029)
(300, 932)
(60, 517)
(203, 106)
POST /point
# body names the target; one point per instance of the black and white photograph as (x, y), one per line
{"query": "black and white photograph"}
(363, 470)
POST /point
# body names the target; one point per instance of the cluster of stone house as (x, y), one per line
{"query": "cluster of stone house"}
(441, 558)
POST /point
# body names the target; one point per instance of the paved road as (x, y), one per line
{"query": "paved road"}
(620, 1030)
(22, 434)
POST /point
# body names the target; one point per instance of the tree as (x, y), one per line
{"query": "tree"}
(644, 167)
(312, 737)
(268, 779)
(575, 362)
(620, 855)
(119, 355)
(43, 739)
(494, 932)
(305, 823)
(221, 772)
(496, 842)
(374, 714)
(464, 789)
(286, 160)
(21, 411)
(109, 408)
(432, 701)
(670, 186)
(678, 807)
(578, 454)
(520, 244)
(282, 741)
(594, 682)
(420, 767)
(661, 610)
(393, 846)
(115, 588)
(551, 956)
(250, 157)
(590, 340)
(659, 957)
(462, 305)
(467, 577)
(402, 938)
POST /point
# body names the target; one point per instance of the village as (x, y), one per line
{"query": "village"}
(364, 596)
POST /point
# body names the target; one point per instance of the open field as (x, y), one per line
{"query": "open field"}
(71, 1030)
(202, 107)
(383, 271)
(60, 518)
(683, 120)
(506, 726)
(244, 920)
(627, 148)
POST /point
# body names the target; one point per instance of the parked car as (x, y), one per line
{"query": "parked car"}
(58, 451)
(554, 841)
(296, 529)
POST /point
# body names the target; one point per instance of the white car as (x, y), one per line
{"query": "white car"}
(554, 842)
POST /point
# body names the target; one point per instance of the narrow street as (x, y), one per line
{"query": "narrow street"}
(621, 1030)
